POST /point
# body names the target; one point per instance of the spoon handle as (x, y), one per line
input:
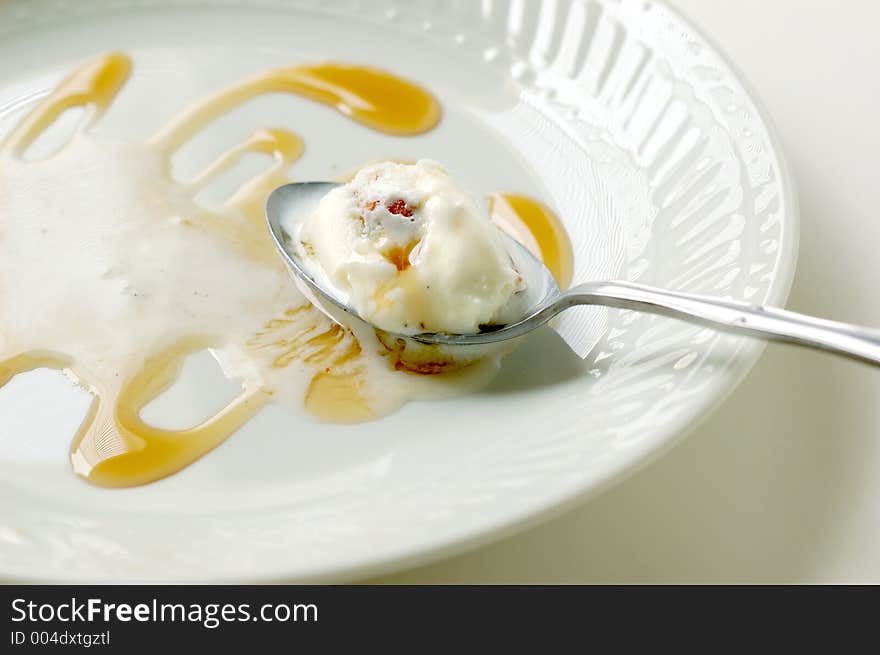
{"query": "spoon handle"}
(734, 316)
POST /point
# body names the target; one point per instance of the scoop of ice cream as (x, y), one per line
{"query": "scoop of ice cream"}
(412, 251)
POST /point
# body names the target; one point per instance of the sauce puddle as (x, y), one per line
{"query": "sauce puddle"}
(111, 272)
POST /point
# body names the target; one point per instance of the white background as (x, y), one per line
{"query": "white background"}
(782, 484)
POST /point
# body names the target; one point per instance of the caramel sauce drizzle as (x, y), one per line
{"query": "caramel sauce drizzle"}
(93, 85)
(370, 96)
(535, 226)
(114, 446)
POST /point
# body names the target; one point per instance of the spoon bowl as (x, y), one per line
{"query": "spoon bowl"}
(542, 298)
(289, 205)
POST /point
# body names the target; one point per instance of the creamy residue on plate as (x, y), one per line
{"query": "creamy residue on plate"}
(110, 271)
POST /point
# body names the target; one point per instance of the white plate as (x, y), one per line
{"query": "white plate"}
(618, 114)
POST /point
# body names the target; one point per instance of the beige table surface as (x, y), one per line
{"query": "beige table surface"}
(782, 484)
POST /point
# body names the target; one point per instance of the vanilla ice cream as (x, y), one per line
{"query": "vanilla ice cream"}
(411, 250)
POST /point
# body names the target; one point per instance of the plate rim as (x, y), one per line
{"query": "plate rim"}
(666, 437)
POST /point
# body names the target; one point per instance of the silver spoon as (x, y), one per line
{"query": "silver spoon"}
(544, 299)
